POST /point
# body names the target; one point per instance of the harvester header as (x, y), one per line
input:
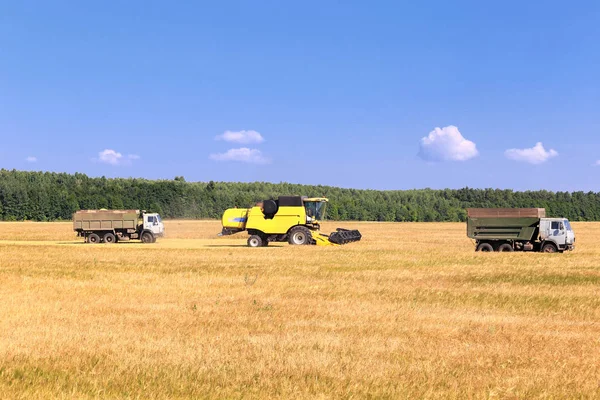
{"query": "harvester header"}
(295, 219)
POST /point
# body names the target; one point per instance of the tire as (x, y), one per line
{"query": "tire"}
(485, 247)
(299, 236)
(505, 247)
(147, 237)
(109, 238)
(93, 238)
(549, 248)
(255, 241)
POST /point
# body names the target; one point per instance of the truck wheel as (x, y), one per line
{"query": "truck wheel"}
(505, 247)
(109, 238)
(147, 237)
(93, 238)
(549, 248)
(486, 247)
(255, 241)
(299, 235)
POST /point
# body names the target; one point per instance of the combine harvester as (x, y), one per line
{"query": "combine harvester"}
(295, 219)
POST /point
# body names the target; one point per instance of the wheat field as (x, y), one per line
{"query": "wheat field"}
(411, 311)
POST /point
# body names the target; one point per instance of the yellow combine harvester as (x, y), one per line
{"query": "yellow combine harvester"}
(294, 219)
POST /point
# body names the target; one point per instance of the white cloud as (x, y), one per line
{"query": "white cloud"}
(109, 156)
(241, 137)
(596, 164)
(243, 154)
(447, 144)
(112, 157)
(31, 159)
(535, 155)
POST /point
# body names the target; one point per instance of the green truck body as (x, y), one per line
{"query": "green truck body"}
(520, 229)
(503, 228)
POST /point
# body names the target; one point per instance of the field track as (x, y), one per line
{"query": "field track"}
(410, 311)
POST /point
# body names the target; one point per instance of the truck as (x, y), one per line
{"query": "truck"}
(295, 219)
(110, 226)
(518, 229)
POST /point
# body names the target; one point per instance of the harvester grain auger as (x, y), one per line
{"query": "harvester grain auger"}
(294, 219)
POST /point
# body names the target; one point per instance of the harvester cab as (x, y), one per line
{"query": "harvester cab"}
(315, 210)
(295, 219)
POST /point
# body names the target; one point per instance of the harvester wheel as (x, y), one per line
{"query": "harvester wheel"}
(505, 247)
(109, 238)
(485, 247)
(255, 241)
(93, 238)
(147, 237)
(300, 235)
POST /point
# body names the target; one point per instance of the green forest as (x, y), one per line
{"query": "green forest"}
(48, 196)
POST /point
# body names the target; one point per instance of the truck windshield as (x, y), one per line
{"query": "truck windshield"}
(316, 209)
(568, 225)
(158, 218)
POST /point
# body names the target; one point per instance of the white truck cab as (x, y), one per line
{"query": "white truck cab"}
(154, 224)
(557, 231)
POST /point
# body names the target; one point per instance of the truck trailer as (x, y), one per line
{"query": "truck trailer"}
(518, 229)
(109, 226)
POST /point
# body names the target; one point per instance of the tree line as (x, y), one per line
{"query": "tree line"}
(49, 196)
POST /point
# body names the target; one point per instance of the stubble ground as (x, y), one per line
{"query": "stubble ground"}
(410, 311)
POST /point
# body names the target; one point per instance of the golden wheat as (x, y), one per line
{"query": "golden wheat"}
(410, 311)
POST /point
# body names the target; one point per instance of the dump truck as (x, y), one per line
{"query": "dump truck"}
(518, 229)
(109, 226)
(295, 219)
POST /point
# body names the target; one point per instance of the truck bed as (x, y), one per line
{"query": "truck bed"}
(98, 220)
(502, 228)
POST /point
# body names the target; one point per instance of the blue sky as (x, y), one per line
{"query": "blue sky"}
(335, 93)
